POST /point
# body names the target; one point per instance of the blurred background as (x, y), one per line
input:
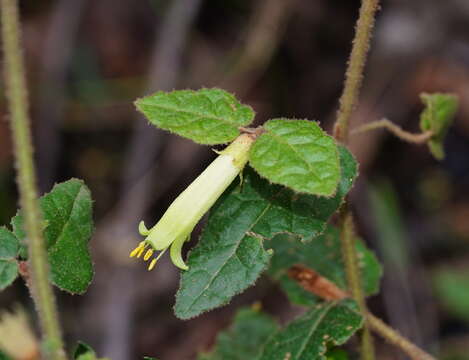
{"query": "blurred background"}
(87, 61)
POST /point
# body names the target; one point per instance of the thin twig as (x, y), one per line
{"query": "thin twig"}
(23, 150)
(420, 138)
(388, 333)
(354, 74)
(352, 270)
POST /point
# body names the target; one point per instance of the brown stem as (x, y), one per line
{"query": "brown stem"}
(420, 138)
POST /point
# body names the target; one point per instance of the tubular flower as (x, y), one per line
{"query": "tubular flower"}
(177, 223)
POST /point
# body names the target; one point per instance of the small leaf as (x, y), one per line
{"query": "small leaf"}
(67, 213)
(299, 155)
(245, 338)
(82, 349)
(323, 255)
(306, 337)
(238, 222)
(437, 117)
(85, 352)
(8, 252)
(206, 116)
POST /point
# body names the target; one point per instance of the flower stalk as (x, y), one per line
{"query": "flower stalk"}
(175, 226)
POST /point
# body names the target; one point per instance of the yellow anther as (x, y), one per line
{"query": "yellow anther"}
(141, 250)
(134, 252)
(148, 254)
(152, 264)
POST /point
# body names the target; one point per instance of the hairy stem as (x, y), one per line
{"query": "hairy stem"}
(420, 138)
(26, 178)
(388, 333)
(347, 239)
(356, 64)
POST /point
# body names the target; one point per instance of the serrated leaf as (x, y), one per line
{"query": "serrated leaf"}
(323, 255)
(245, 338)
(244, 215)
(206, 116)
(225, 261)
(67, 212)
(306, 337)
(437, 117)
(297, 154)
(8, 252)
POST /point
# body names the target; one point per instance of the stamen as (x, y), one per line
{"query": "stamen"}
(134, 252)
(148, 254)
(141, 250)
(152, 264)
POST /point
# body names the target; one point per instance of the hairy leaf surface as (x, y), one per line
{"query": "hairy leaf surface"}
(206, 116)
(297, 154)
(306, 337)
(67, 212)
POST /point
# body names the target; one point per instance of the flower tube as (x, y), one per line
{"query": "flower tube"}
(177, 223)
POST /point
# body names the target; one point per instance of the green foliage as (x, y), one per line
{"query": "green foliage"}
(230, 254)
(67, 212)
(297, 154)
(306, 337)
(4, 356)
(324, 256)
(85, 352)
(245, 338)
(8, 251)
(452, 288)
(226, 260)
(206, 116)
(437, 117)
(337, 354)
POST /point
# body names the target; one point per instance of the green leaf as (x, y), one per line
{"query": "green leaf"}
(299, 155)
(225, 261)
(306, 337)
(437, 117)
(4, 356)
(238, 222)
(85, 352)
(322, 255)
(452, 288)
(245, 338)
(8, 272)
(337, 354)
(8, 252)
(206, 116)
(67, 212)
(8, 244)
